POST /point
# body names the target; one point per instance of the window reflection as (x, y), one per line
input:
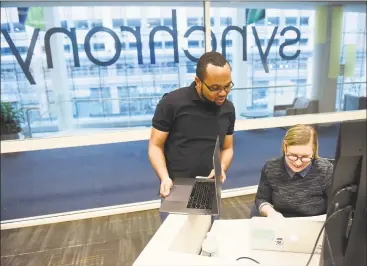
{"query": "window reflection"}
(134, 89)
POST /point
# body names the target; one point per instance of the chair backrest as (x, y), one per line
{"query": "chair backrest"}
(362, 102)
(332, 161)
(352, 102)
(301, 103)
(313, 107)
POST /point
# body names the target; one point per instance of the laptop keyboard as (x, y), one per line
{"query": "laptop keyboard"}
(202, 195)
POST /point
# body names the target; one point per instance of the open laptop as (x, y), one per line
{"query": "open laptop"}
(196, 195)
(288, 235)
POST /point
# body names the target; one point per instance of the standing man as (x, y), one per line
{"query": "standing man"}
(187, 121)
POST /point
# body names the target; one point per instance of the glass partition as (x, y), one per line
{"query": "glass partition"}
(76, 69)
(82, 178)
(284, 61)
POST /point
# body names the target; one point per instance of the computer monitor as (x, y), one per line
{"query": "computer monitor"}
(346, 230)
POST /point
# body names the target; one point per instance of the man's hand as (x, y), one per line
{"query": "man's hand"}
(166, 185)
(223, 178)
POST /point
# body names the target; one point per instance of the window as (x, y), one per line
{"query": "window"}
(81, 47)
(211, 22)
(98, 46)
(260, 22)
(226, 21)
(96, 23)
(100, 92)
(228, 43)
(153, 22)
(117, 23)
(273, 20)
(193, 44)
(295, 44)
(300, 81)
(81, 24)
(303, 41)
(22, 49)
(120, 69)
(8, 73)
(193, 22)
(190, 67)
(158, 45)
(6, 51)
(304, 21)
(64, 24)
(169, 87)
(167, 22)
(302, 65)
(154, 79)
(123, 91)
(291, 21)
(168, 45)
(5, 26)
(18, 27)
(260, 94)
(134, 22)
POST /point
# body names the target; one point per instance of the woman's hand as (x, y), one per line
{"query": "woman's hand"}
(275, 214)
(268, 211)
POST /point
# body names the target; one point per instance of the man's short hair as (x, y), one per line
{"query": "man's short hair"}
(213, 58)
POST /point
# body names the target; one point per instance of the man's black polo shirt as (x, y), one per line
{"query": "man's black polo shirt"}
(193, 127)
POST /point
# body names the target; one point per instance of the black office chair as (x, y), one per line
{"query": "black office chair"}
(254, 212)
(332, 161)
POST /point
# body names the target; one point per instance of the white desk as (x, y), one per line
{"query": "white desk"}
(233, 237)
(178, 242)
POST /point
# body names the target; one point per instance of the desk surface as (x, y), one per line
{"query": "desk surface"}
(178, 242)
(233, 237)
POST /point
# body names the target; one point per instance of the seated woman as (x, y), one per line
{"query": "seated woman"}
(296, 184)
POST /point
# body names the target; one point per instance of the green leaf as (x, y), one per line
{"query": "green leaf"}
(35, 18)
(254, 15)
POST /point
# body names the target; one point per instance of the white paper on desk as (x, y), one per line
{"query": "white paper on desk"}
(318, 218)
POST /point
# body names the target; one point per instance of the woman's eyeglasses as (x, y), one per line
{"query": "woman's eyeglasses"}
(294, 158)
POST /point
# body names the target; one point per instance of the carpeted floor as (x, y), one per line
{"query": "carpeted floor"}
(111, 240)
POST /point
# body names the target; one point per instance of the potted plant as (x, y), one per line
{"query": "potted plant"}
(11, 119)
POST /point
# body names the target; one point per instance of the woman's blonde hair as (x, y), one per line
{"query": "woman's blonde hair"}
(301, 135)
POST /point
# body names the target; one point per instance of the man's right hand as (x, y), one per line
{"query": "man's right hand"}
(166, 185)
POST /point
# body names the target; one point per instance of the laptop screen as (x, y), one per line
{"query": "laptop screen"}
(218, 171)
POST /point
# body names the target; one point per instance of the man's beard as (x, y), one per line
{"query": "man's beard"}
(210, 104)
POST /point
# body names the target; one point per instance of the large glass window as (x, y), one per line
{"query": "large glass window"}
(273, 64)
(118, 75)
(274, 58)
